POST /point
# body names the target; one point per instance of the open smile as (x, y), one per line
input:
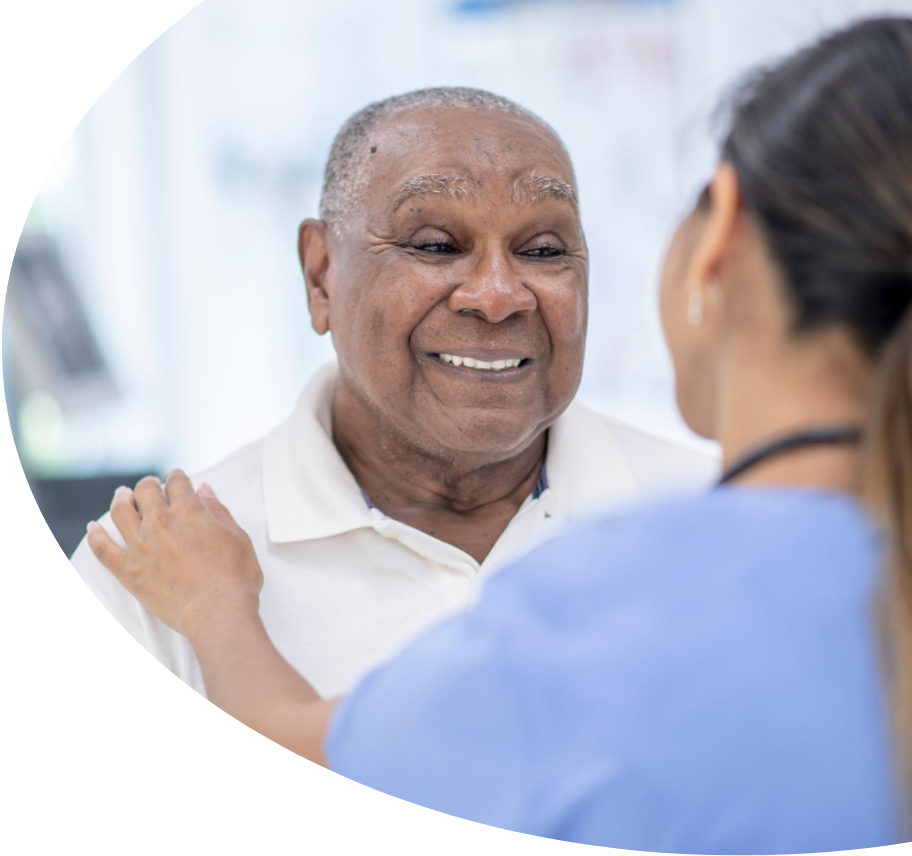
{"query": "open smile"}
(479, 365)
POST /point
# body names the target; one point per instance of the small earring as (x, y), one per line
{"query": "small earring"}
(695, 307)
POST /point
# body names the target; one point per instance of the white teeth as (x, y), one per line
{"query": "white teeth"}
(480, 365)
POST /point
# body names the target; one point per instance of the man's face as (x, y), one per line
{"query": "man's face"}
(468, 250)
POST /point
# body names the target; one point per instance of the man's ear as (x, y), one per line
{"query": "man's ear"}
(315, 253)
(721, 221)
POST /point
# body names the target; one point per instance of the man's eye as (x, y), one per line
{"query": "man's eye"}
(545, 251)
(437, 247)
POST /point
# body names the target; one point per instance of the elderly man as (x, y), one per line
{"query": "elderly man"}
(450, 267)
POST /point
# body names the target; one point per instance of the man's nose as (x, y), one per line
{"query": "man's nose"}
(494, 291)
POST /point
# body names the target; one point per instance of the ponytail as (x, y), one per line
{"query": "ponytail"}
(887, 491)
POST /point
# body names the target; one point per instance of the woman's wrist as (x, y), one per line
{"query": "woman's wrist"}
(214, 613)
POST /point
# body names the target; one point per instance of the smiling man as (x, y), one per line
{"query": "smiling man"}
(451, 269)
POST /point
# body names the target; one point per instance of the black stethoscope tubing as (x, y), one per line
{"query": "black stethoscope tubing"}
(830, 435)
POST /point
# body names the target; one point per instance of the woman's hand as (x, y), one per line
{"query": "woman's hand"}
(186, 559)
(194, 568)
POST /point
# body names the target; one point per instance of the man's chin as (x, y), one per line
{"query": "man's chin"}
(496, 434)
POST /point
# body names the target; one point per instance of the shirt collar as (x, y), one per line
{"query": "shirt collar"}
(587, 470)
(309, 492)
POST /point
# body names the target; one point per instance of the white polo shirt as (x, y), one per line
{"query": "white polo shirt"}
(345, 585)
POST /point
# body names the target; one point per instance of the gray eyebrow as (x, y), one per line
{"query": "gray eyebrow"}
(448, 186)
(532, 189)
(527, 190)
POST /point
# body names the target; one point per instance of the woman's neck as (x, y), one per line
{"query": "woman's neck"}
(765, 402)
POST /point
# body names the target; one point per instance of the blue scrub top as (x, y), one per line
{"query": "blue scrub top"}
(698, 677)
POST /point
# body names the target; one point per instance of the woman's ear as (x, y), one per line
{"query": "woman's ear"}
(315, 252)
(720, 221)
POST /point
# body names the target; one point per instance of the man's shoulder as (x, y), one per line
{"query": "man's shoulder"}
(237, 469)
(657, 463)
(234, 478)
(237, 481)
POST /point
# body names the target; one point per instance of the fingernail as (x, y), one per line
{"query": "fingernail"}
(205, 490)
(90, 525)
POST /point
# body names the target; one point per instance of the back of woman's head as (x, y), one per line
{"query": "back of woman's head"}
(822, 147)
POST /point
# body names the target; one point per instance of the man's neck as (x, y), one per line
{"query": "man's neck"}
(466, 499)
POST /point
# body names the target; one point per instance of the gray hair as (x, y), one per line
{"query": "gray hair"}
(345, 177)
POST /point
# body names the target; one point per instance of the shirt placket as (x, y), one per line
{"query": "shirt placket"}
(450, 571)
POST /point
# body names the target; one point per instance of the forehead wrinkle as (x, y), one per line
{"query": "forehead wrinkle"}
(532, 189)
(436, 184)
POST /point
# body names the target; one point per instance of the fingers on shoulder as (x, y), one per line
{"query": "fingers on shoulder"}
(179, 488)
(110, 554)
(124, 512)
(148, 495)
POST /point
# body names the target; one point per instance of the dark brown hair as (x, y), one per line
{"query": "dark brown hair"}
(888, 489)
(822, 145)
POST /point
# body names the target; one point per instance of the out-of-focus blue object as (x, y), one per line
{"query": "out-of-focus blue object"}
(699, 677)
(471, 7)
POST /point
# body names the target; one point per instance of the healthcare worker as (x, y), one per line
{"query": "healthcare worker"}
(723, 673)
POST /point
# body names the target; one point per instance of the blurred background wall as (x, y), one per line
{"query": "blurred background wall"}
(156, 314)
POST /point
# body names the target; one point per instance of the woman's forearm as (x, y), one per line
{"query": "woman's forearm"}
(248, 678)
